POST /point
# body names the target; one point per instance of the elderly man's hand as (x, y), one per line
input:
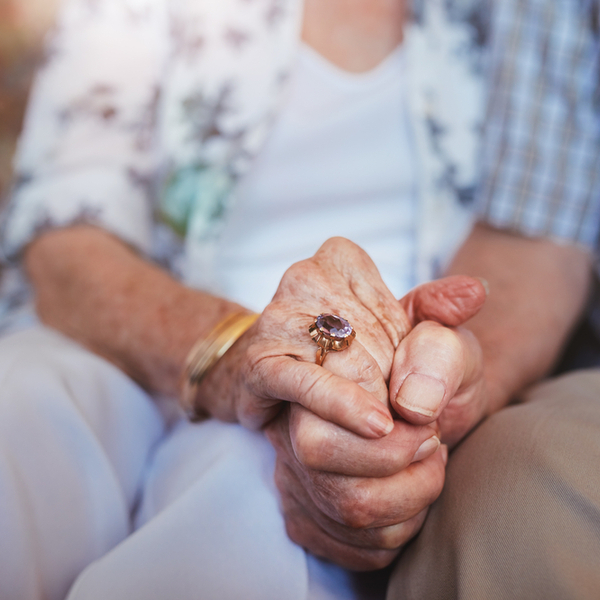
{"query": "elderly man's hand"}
(357, 501)
(351, 500)
(437, 374)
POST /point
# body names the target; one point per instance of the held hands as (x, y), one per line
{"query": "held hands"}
(357, 501)
(274, 360)
(350, 492)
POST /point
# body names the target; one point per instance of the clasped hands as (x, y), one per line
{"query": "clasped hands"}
(359, 458)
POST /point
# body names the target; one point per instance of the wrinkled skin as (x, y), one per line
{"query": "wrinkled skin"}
(275, 359)
(352, 491)
(357, 501)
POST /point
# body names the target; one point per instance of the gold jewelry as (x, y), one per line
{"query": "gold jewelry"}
(332, 333)
(205, 354)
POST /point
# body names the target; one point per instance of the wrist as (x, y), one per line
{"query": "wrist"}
(204, 356)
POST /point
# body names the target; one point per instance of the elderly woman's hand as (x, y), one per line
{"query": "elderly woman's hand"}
(275, 360)
(357, 501)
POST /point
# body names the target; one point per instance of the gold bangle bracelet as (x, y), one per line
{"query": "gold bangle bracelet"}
(205, 354)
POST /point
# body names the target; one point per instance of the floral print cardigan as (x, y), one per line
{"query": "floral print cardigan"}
(148, 112)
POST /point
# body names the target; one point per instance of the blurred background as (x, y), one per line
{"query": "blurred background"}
(23, 25)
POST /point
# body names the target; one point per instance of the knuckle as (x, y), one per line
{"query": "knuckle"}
(377, 559)
(355, 508)
(295, 530)
(294, 277)
(394, 537)
(338, 243)
(440, 335)
(366, 371)
(390, 538)
(443, 346)
(343, 254)
(395, 461)
(307, 443)
(309, 449)
(453, 345)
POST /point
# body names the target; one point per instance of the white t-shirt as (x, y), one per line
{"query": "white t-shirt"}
(339, 162)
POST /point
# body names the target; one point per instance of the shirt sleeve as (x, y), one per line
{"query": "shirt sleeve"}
(87, 151)
(541, 156)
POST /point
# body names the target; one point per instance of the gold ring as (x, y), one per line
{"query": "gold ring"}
(332, 333)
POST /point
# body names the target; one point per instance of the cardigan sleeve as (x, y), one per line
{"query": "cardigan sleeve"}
(87, 153)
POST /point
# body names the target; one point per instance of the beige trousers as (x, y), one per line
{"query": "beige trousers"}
(519, 517)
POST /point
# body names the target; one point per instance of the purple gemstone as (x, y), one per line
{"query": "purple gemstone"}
(334, 326)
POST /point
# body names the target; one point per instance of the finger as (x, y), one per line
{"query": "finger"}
(333, 398)
(363, 503)
(430, 366)
(391, 537)
(324, 446)
(302, 530)
(450, 301)
(358, 365)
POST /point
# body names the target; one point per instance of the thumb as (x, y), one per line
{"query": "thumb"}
(450, 301)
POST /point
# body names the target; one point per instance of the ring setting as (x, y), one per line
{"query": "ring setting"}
(331, 333)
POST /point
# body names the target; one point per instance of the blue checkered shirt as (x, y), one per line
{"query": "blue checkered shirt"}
(541, 159)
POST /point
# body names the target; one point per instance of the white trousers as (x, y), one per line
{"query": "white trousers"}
(100, 497)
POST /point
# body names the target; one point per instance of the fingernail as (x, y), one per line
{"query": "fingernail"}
(427, 448)
(485, 284)
(421, 394)
(444, 451)
(380, 424)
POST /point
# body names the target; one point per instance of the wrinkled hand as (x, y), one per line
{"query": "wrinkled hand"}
(274, 361)
(351, 500)
(357, 501)
(437, 375)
